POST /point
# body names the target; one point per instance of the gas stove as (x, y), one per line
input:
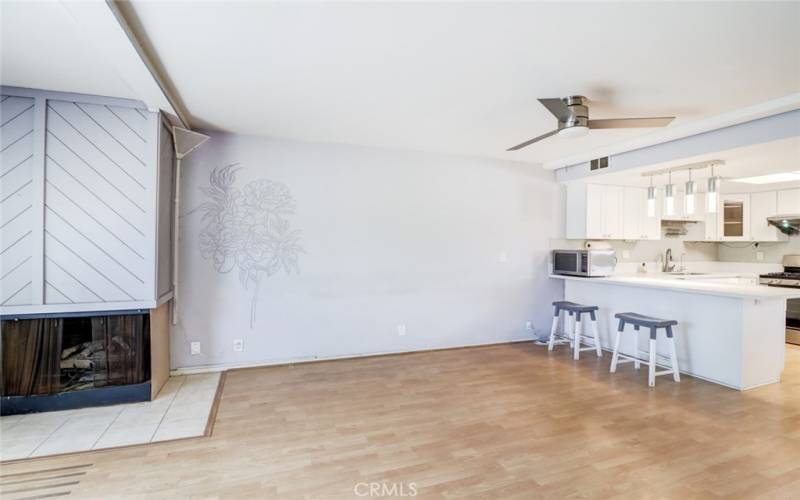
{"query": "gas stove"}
(790, 277)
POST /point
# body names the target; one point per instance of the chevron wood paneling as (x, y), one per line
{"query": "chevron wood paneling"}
(16, 198)
(98, 201)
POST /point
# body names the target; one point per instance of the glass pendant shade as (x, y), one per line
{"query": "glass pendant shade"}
(690, 199)
(712, 193)
(669, 199)
(651, 201)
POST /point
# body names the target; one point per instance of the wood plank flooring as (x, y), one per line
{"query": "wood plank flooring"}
(506, 421)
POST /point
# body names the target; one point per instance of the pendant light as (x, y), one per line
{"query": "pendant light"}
(712, 192)
(669, 196)
(689, 198)
(651, 199)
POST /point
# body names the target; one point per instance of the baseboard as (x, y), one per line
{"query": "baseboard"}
(221, 367)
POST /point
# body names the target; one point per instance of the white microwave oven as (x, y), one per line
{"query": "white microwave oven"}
(588, 263)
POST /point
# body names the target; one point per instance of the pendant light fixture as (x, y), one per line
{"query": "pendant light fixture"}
(689, 198)
(712, 192)
(651, 199)
(669, 196)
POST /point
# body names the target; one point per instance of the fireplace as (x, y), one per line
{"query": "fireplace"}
(77, 361)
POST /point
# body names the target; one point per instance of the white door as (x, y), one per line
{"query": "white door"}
(595, 227)
(634, 206)
(651, 226)
(614, 208)
(788, 202)
(763, 205)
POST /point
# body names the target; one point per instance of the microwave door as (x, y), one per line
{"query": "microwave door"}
(567, 263)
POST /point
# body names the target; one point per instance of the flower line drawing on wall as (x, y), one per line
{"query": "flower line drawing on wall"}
(248, 229)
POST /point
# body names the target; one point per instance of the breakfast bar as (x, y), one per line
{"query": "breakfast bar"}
(730, 330)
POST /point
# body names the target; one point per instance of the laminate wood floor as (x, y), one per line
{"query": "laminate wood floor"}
(506, 421)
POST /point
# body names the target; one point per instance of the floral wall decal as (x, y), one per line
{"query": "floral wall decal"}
(248, 229)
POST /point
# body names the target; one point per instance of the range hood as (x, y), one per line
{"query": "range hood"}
(789, 224)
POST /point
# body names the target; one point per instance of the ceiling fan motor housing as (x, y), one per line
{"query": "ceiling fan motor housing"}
(578, 112)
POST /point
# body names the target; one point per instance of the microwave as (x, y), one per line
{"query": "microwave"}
(588, 263)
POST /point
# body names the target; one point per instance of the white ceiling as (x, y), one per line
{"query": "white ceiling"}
(464, 77)
(749, 161)
(72, 47)
(459, 78)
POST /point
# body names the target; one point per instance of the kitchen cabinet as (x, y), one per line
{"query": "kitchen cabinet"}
(788, 201)
(711, 230)
(763, 205)
(734, 217)
(680, 208)
(636, 223)
(595, 211)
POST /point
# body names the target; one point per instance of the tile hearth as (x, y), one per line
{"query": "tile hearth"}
(180, 410)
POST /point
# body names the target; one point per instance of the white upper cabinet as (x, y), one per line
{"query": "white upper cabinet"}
(597, 211)
(734, 217)
(636, 223)
(788, 201)
(763, 205)
(680, 208)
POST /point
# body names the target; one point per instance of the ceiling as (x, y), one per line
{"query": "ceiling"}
(459, 78)
(749, 161)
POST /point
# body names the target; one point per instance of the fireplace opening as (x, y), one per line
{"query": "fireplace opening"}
(74, 362)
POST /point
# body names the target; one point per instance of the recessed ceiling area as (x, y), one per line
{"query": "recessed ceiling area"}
(775, 157)
(463, 78)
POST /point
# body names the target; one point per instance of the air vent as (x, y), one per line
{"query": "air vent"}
(598, 163)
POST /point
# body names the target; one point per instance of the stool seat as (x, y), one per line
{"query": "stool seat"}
(645, 321)
(574, 307)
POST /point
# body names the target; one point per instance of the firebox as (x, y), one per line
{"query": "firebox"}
(73, 362)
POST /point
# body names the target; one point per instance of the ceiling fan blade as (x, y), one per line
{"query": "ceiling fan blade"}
(557, 107)
(535, 139)
(661, 121)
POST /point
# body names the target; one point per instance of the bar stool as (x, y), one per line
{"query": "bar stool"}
(638, 321)
(575, 311)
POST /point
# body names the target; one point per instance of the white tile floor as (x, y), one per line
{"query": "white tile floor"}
(180, 410)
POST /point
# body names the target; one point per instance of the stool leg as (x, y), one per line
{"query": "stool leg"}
(651, 373)
(615, 356)
(636, 364)
(576, 352)
(553, 330)
(596, 337)
(569, 326)
(676, 374)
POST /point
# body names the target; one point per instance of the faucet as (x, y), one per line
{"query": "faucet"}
(669, 266)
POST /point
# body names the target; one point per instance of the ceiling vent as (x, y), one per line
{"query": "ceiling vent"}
(598, 163)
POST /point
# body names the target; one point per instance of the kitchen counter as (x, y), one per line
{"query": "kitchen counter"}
(731, 331)
(720, 284)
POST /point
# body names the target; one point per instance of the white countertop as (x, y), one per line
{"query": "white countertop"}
(702, 284)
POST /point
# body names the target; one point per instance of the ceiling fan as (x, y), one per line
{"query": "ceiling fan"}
(573, 119)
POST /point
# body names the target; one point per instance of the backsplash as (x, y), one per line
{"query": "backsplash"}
(746, 252)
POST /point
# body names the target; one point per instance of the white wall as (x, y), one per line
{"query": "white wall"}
(455, 248)
(746, 252)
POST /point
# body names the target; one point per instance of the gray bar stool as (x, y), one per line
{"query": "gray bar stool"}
(574, 313)
(638, 321)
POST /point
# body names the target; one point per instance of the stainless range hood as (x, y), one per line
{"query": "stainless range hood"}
(789, 224)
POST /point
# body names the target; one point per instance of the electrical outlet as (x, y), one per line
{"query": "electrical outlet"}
(626, 254)
(196, 348)
(528, 325)
(401, 330)
(503, 257)
(238, 345)
(759, 255)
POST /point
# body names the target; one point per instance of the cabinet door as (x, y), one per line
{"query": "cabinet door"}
(595, 195)
(788, 202)
(734, 217)
(633, 207)
(651, 226)
(763, 205)
(614, 208)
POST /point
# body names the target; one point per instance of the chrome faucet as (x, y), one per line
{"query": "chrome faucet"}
(669, 266)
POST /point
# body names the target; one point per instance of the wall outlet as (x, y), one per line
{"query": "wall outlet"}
(626, 254)
(759, 255)
(196, 348)
(238, 345)
(503, 257)
(401, 330)
(528, 325)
